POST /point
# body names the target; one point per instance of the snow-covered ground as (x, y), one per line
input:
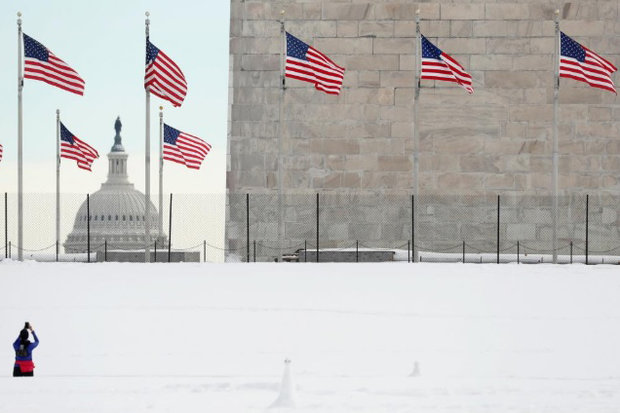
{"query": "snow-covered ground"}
(214, 337)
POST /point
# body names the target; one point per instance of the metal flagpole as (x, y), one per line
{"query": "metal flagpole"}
(147, 166)
(416, 138)
(280, 120)
(57, 181)
(554, 179)
(20, 169)
(161, 172)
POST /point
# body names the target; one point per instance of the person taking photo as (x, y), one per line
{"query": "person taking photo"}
(23, 352)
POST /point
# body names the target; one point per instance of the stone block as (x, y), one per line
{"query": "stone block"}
(376, 28)
(355, 46)
(340, 146)
(533, 62)
(260, 62)
(477, 163)
(599, 114)
(310, 30)
(347, 11)
(369, 78)
(531, 113)
(382, 96)
(372, 62)
(387, 163)
(405, 11)
(490, 62)
(393, 46)
(347, 29)
(455, 46)
(407, 62)
(520, 232)
(462, 11)
(461, 28)
(460, 182)
(506, 11)
(403, 97)
(391, 79)
(402, 130)
(494, 28)
(574, 28)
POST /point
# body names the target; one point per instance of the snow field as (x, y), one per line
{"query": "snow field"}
(200, 337)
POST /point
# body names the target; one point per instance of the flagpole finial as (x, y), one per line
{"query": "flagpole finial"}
(19, 17)
(417, 12)
(58, 111)
(147, 14)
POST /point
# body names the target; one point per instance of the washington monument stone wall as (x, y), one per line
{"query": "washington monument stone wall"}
(496, 141)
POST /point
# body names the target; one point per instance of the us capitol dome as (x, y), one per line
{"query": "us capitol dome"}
(116, 210)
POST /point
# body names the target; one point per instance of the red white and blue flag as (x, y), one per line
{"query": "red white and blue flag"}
(163, 77)
(0, 152)
(73, 148)
(582, 64)
(183, 148)
(304, 62)
(437, 65)
(41, 64)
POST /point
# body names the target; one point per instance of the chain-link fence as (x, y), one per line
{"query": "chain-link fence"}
(349, 227)
(344, 227)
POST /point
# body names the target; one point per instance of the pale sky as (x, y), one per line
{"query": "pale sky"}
(105, 43)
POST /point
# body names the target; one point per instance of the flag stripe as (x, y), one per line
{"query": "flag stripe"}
(580, 63)
(437, 65)
(76, 149)
(183, 148)
(41, 64)
(163, 77)
(305, 63)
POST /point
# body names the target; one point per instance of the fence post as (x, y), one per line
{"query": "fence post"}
(357, 251)
(413, 248)
(88, 226)
(56, 251)
(587, 224)
(10, 249)
(247, 227)
(463, 251)
(305, 251)
(6, 225)
(317, 227)
(154, 252)
(518, 262)
(498, 229)
(105, 250)
(204, 251)
(571, 251)
(408, 251)
(254, 250)
(170, 230)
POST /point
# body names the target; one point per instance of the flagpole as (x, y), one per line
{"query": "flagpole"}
(147, 165)
(416, 134)
(161, 172)
(280, 120)
(554, 179)
(20, 170)
(57, 181)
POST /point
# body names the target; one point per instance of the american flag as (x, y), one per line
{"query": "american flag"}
(41, 64)
(183, 148)
(437, 65)
(73, 148)
(582, 64)
(0, 152)
(305, 63)
(163, 77)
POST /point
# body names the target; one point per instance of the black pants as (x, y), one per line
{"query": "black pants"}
(17, 372)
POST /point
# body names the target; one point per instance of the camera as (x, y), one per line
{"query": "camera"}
(27, 325)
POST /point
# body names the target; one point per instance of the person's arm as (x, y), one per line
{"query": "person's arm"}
(36, 339)
(16, 343)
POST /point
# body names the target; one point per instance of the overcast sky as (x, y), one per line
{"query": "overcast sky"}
(105, 43)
